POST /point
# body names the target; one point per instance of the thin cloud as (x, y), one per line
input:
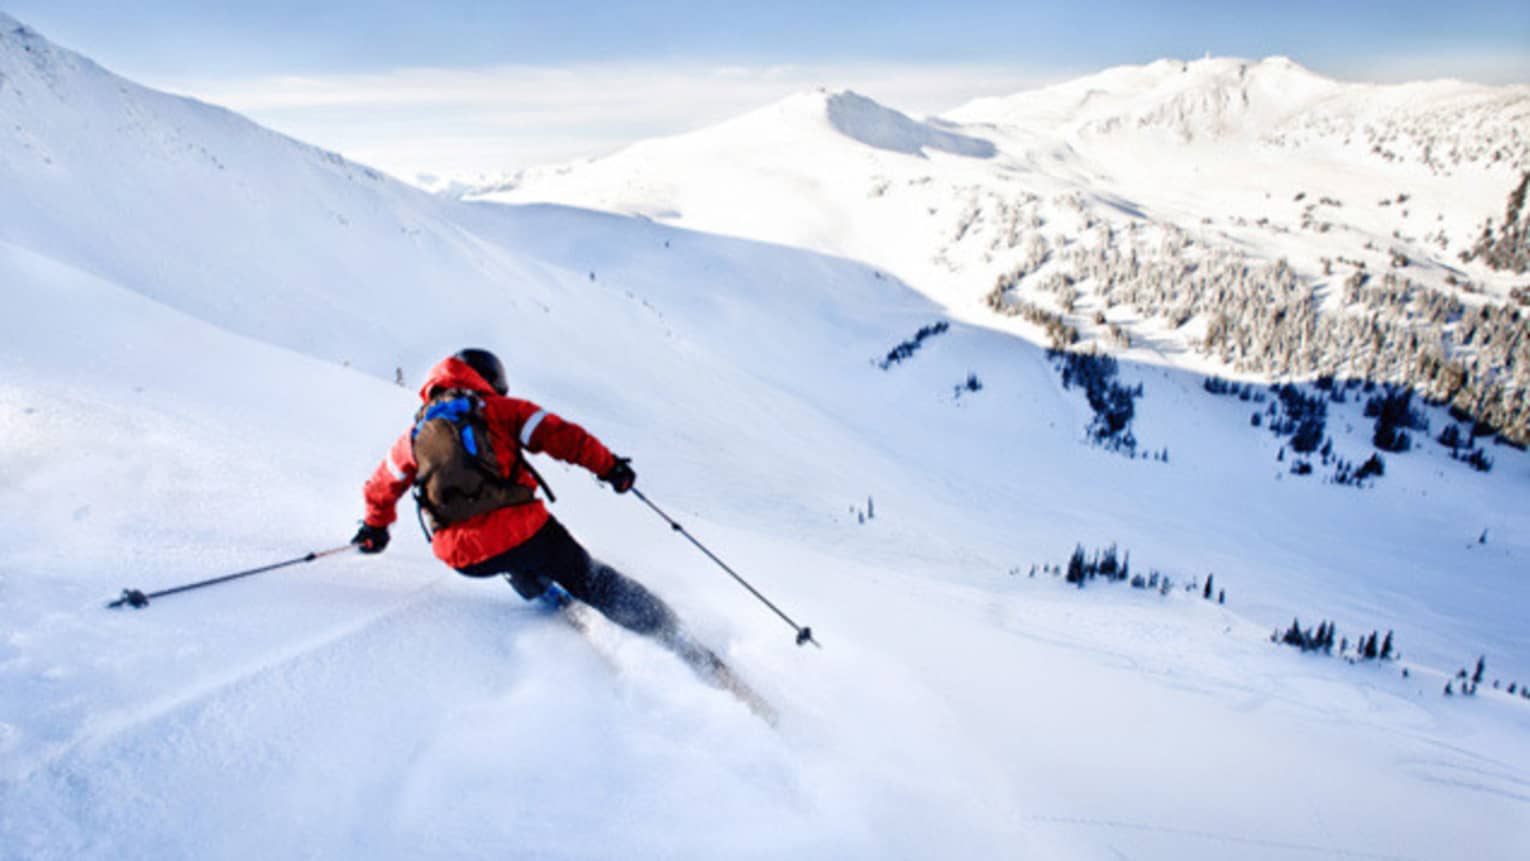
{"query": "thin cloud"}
(472, 123)
(484, 121)
(1478, 66)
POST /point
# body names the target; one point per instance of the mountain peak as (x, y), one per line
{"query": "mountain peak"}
(847, 114)
(1171, 76)
(867, 121)
(1209, 97)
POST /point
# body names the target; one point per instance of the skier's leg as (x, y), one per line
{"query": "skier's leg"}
(627, 602)
(553, 556)
(618, 597)
(528, 586)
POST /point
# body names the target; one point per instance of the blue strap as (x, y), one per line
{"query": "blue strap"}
(454, 411)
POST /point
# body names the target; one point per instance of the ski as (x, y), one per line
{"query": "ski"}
(716, 672)
(558, 601)
(703, 661)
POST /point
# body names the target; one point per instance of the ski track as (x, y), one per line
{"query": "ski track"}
(1290, 688)
(225, 724)
(260, 722)
(1510, 787)
(103, 728)
(1246, 843)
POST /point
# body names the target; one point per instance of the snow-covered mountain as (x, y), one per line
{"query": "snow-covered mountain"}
(1441, 125)
(1158, 211)
(203, 326)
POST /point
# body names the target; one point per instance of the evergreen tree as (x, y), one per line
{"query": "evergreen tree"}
(1293, 635)
(1481, 665)
(1373, 466)
(1450, 437)
(1207, 593)
(1479, 460)
(1076, 566)
(1108, 563)
(1386, 647)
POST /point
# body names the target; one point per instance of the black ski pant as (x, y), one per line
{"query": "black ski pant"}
(553, 556)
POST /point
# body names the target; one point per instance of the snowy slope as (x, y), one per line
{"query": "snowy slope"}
(175, 402)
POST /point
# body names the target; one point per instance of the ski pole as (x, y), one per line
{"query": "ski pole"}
(135, 599)
(804, 633)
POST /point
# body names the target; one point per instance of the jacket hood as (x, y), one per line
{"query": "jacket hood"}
(453, 373)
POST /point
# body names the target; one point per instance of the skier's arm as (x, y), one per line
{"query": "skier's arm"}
(540, 431)
(389, 482)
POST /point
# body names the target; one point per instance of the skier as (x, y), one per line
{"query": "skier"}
(481, 499)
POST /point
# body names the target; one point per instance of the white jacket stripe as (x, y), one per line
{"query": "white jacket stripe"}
(398, 474)
(531, 427)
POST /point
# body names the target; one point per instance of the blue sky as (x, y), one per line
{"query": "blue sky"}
(178, 37)
(421, 86)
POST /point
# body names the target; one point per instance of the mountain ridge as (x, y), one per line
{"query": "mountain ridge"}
(1172, 164)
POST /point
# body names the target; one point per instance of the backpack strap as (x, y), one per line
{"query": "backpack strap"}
(419, 514)
(522, 461)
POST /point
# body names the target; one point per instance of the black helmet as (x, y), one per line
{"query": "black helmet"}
(487, 365)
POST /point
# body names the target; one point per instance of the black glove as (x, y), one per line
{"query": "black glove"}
(371, 539)
(620, 476)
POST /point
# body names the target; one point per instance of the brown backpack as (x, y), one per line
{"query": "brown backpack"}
(459, 476)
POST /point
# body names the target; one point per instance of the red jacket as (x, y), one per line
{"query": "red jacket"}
(510, 420)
